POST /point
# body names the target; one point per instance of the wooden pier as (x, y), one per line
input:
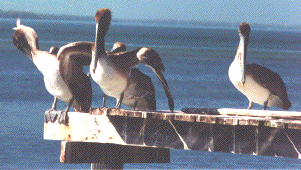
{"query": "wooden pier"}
(125, 136)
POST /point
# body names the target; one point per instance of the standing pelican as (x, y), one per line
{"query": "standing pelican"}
(140, 94)
(258, 83)
(111, 70)
(63, 75)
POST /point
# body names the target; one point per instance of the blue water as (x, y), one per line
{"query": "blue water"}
(196, 61)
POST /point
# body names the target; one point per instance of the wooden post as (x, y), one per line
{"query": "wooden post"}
(111, 156)
(106, 166)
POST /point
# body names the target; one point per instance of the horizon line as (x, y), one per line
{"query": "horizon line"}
(170, 21)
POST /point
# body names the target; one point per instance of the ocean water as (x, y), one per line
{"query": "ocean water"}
(196, 60)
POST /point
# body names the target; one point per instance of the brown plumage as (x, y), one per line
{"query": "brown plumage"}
(113, 77)
(140, 94)
(257, 83)
(118, 47)
(270, 80)
(63, 75)
(73, 57)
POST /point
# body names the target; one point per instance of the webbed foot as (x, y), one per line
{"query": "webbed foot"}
(63, 117)
(60, 116)
(50, 115)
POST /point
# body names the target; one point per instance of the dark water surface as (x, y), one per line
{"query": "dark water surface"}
(196, 61)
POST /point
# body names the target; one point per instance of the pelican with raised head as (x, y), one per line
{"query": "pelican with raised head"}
(111, 70)
(259, 84)
(140, 94)
(63, 75)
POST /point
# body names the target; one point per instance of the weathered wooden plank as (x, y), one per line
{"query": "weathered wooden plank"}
(111, 154)
(244, 112)
(220, 133)
(205, 115)
(84, 127)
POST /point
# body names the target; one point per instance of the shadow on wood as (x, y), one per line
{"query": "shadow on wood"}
(88, 152)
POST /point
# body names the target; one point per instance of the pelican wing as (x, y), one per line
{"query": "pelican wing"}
(72, 58)
(147, 56)
(143, 88)
(268, 79)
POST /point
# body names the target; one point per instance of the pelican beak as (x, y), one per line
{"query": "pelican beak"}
(95, 53)
(166, 88)
(93, 62)
(242, 57)
(242, 71)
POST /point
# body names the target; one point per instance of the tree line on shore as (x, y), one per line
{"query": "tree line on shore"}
(31, 15)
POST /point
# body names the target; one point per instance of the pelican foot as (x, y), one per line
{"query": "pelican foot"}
(63, 117)
(60, 116)
(50, 115)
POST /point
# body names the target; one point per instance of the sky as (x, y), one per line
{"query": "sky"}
(271, 12)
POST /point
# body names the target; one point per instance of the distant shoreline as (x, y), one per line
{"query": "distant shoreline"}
(32, 15)
(62, 17)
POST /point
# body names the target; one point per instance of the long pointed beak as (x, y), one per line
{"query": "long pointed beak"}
(95, 53)
(243, 45)
(242, 70)
(167, 90)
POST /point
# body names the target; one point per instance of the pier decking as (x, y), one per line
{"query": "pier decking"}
(237, 131)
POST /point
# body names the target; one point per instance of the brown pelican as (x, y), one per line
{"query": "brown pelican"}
(53, 50)
(111, 70)
(63, 75)
(258, 83)
(118, 47)
(140, 94)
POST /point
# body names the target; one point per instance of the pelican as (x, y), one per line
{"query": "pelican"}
(111, 70)
(140, 94)
(118, 47)
(53, 50)
(63, 75)
(257, 83)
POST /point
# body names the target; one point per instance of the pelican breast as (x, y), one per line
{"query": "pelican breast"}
(54, 82)
(109, 78)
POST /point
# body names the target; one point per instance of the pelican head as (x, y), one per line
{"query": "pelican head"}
(103, 21)
(118, 47)
(25, 39)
